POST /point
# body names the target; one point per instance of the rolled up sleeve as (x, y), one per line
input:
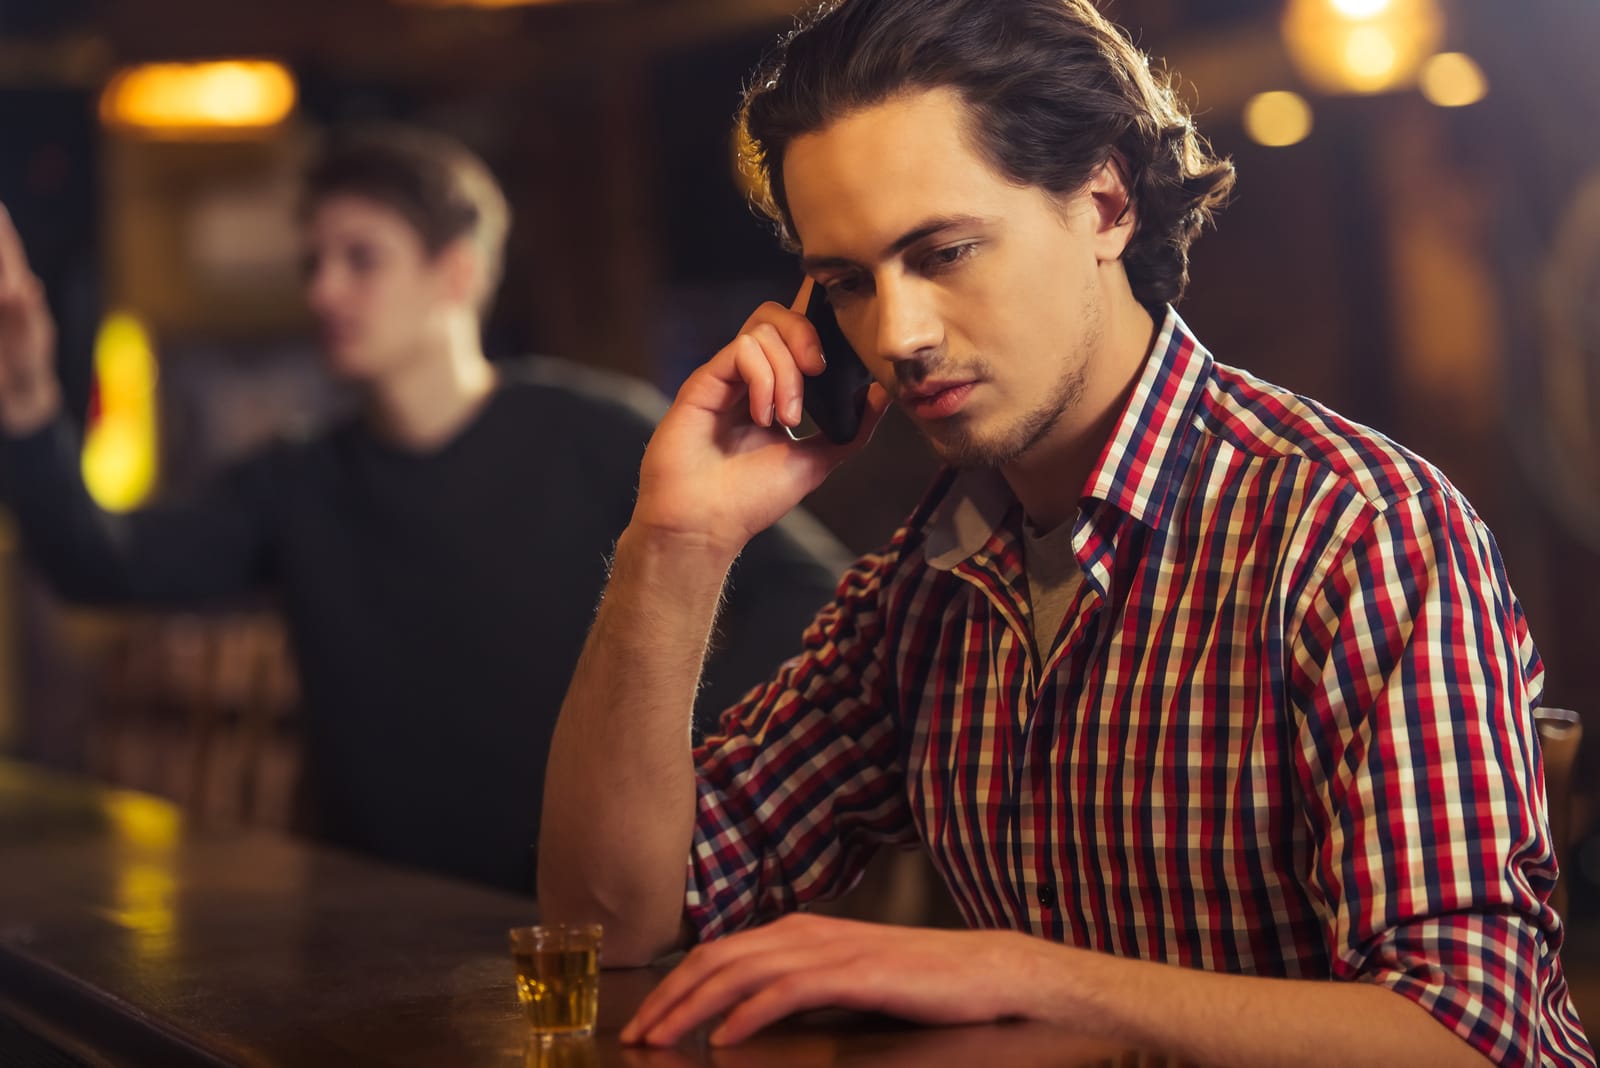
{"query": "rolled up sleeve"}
(1415, 680)
(802, 782)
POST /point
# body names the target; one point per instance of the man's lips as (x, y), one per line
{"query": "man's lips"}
(937, 400)
(333, 333)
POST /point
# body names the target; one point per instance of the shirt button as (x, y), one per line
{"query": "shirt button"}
(1047, 895)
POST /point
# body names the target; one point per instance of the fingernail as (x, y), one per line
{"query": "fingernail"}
(772, 414)
(793, 410)
(822, 357)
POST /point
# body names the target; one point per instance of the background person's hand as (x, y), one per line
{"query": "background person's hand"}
(720, 469)
(30, 395)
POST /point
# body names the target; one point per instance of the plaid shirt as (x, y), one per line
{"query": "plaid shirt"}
(1284, 730)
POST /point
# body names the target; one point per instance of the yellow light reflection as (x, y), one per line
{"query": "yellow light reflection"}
(1453, 80)
(143, 822)
(146, 884)
(199, 98)
(1361, 46)
(1277, 119)
(119, 448)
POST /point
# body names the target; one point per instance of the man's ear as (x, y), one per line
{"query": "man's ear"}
(462, 270)
(1115, 211)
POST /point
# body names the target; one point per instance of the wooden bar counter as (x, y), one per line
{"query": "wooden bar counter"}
(129, 937)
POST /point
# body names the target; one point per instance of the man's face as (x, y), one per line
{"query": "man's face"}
(979, 304)
(380, 300)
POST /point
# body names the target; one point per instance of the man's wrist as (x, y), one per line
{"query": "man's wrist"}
(1070, 986)
(690, 555)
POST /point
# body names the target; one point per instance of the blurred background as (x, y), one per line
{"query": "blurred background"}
(1415, 241)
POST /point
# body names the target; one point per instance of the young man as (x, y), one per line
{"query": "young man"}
(438, 558)
(1198, 695)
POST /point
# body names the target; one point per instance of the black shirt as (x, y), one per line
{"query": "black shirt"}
(437, 601)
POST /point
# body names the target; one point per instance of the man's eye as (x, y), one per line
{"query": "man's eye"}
(362, 259)
(847, 286)
(948, 257)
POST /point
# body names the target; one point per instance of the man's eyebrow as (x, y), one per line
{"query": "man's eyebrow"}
(921, 232)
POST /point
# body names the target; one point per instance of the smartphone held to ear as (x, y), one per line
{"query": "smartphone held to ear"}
(836, 399)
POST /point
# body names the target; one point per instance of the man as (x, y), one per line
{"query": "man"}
(1198, 695)
(438, 558)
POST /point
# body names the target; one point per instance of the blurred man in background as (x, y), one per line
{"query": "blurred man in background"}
(1198, 695)
(439, 557)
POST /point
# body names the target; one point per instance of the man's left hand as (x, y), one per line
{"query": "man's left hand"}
(802, 962)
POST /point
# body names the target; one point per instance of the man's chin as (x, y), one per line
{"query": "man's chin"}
(969, 452)
(348, 363)
(958, 448)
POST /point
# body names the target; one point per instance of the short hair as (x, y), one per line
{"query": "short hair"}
(1053, 91)
(439, 186)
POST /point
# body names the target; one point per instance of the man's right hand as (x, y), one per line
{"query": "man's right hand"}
(720, 469)
(30, 395)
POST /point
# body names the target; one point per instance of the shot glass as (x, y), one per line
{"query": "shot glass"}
(558, 977)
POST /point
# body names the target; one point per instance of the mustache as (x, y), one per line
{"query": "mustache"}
(911, 374)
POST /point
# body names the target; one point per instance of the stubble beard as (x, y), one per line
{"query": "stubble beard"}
(956, 442)
(957, 445)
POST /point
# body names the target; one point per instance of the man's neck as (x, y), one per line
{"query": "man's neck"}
(427, 401)
(1049, 479)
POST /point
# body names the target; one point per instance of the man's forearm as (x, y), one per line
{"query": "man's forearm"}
(619, 793)
(1239, 1021)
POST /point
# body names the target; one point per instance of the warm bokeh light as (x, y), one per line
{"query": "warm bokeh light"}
(1277, 119)
(1360, 9)
(199, 98)
(1370, 56)
(119, 445)
(480, 3)
(1361, 46)
(1453, 80)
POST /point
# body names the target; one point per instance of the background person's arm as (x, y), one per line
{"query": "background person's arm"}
(210, 546)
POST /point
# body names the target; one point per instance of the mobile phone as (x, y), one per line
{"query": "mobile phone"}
(836, 399)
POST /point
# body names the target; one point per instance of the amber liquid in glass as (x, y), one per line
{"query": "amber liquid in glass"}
(559, 989)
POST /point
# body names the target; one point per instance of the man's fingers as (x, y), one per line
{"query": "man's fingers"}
(726, 988)
(802, 299)
(702, 961)
(710, 958)
(788, 381)
(797, 332)
(755, 369)
(817, 988)
(13, 260)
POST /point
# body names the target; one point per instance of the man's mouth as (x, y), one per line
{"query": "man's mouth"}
(937, 399)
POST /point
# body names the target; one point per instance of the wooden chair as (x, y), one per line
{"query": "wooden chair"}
(1560, 733)
(201, 708)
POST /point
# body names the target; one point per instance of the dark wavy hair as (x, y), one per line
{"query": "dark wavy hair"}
(1053, 91)
(430, 179)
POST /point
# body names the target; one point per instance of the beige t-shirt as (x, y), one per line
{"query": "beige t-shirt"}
(1053, 581)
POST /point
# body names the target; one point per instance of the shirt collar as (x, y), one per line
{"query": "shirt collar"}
(1139, 472)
